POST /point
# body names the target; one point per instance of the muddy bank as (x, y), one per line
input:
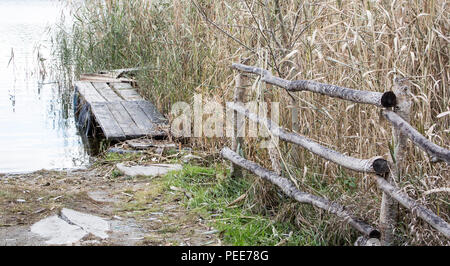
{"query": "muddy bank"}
(137, 210)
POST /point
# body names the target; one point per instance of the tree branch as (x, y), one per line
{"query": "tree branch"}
(220, 29)
(289, 188)
(358, 96)
(435, 221)
(435, 151)
(373, 165)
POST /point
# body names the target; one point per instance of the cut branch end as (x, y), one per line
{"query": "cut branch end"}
(388, 99)
(381, 167)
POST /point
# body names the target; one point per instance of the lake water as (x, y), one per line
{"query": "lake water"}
(37, 126)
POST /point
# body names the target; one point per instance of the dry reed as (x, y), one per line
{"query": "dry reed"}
(190, 46)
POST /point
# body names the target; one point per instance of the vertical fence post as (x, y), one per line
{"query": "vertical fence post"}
(272, 149)
(238, 123)
(296, 151)
(389, 207)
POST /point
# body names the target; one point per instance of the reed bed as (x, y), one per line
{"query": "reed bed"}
(189, 46)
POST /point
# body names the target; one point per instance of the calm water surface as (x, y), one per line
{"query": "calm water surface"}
(37, 127)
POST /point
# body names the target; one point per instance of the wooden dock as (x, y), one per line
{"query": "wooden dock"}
(118, 108)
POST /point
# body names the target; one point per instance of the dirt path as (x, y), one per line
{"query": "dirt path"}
(140, 211)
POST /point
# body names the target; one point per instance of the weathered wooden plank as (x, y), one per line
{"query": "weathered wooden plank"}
(106, 92)
(152, 113)
(121, 85)
(126, 123)
(88, 92)
(102, 78)
(107, 122)
(130, 95)
(140, 118)
(126, 91)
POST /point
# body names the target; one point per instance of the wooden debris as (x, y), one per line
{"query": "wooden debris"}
(147, 144)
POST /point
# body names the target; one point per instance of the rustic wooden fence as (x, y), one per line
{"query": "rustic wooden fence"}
(395, 108)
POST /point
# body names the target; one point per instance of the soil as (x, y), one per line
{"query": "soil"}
(141, 211)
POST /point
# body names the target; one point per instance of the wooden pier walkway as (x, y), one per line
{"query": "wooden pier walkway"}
(118, 108)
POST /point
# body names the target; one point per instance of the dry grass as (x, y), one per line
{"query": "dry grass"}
(358, 44)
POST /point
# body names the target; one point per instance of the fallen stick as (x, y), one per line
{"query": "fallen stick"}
(428, 216)
(289, 189)
(373, 165)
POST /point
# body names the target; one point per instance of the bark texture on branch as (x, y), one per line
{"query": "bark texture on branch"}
(289, 188)
(358, 96)
(389, 206)
(402, 91)
(436, 152)
(275, 159)
(388, 213)
(428, 216)
(373, 165)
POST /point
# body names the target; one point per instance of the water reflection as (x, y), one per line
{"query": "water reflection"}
(37, 127)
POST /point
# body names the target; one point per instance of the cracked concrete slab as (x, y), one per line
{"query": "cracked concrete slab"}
(58, 231)
(69, 227)
(103, 196)
(90, 192)
(149, 170)
(89, 223)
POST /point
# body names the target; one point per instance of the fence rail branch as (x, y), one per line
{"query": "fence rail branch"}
(435, 151)
(289, 188)
(435, 221)
(358, 96)
(373, 165)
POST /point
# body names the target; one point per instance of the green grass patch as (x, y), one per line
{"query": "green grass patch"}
(212, 192)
